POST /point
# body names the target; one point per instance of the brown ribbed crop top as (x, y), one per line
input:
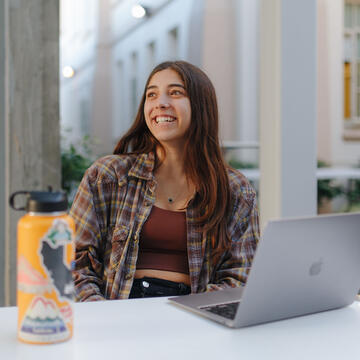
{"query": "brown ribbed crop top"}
(163, 242)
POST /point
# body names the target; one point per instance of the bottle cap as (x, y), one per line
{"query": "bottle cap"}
(41, 201)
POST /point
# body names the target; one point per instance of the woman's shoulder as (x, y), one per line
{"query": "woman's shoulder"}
(240, 186)
(111, 168)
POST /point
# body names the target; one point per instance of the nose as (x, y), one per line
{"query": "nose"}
(164, 106)
(163, 102)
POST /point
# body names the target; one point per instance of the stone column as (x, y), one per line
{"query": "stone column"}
(288, 73)
(2, 151)
(29, 31)
(247, 76)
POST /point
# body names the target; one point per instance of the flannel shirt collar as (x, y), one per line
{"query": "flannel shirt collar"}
(143, 166)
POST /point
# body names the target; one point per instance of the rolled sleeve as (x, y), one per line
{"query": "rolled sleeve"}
(244, 232)
(88, 270)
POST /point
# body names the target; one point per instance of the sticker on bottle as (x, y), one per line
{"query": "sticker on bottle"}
(45, 285)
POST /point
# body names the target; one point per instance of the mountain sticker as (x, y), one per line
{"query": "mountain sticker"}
(43, 319)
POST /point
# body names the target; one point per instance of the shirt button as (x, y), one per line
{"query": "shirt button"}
(128, 276)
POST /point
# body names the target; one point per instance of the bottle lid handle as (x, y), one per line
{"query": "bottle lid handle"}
(12, 200)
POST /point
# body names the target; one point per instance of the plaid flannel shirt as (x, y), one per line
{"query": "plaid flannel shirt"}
(113, 201)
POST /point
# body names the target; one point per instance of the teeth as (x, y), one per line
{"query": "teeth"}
(161, 119)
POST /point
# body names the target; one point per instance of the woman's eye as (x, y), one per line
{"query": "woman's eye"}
(150, 94)
(176, 92)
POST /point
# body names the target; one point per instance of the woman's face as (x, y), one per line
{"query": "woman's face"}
(167, 107)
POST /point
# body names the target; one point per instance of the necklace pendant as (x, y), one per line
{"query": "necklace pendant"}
(170, 200)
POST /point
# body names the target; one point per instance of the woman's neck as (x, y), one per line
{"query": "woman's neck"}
(173, 190)
(172, 165)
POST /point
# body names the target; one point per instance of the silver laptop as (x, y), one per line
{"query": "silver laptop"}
(301, 266)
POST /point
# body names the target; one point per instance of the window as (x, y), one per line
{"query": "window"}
(173, 44)
(84, 117)
(351, 71)
(133, 86)
(151, 56)
(115, 2)
(119, 102)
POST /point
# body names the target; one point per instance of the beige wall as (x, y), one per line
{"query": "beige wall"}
(218, 60)
(324, 91)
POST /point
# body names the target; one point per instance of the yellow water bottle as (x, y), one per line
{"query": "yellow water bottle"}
(45, 254)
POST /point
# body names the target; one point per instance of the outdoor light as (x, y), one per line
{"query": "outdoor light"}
(138, 11)
(68, 72)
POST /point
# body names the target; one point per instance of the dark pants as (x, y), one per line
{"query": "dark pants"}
(152, 287)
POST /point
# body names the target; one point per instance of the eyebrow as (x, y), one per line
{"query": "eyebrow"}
(170, 85)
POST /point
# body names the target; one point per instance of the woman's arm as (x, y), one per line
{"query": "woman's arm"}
(243, 229)
(88, 270)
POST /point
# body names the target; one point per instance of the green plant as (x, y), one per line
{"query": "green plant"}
(353, 195)
(326, 189)
(236, 164)
(75, 159)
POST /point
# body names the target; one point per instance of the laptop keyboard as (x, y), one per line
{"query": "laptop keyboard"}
(225, 310)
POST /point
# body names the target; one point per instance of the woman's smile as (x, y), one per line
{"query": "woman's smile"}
(161, 119)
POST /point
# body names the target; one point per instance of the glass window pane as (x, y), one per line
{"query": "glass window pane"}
(357, 15)
(133, 84)
(348, 48)
(348, 15)
(358, 104)
(347, 90)
(84, 116)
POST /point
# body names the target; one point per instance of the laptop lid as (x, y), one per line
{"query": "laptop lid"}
(303, 266)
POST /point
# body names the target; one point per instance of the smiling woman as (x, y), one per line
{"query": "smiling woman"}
(164, 215)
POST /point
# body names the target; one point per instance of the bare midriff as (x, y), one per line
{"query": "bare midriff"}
(162, 274)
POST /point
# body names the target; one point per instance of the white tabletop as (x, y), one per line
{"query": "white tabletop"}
(154, 329)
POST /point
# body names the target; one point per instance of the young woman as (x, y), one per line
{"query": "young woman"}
(165, 215)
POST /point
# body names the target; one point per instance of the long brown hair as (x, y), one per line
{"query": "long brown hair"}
(204, 164)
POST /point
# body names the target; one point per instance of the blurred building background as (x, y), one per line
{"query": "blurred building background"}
(286, 72)
(111, 52)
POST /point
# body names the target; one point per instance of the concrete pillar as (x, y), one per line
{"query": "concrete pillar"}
(247, 76)
(3, 129)
(288, 64)
(29, 34)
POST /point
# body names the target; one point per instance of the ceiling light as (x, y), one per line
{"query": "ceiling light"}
(138, 11)
(68, 72)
